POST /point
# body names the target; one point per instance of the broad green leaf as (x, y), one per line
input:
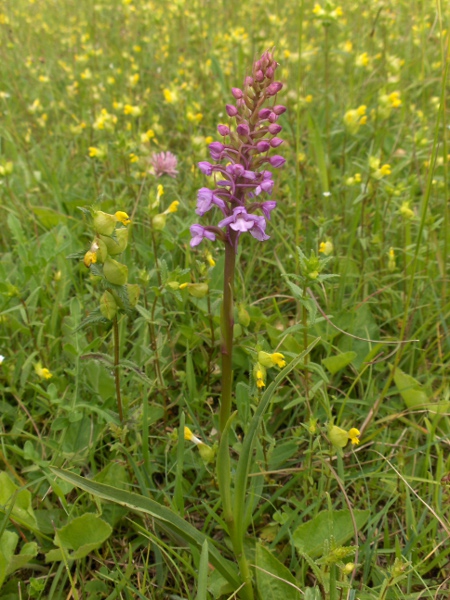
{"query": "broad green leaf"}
(9, 562)
(82, 535)
(8, 543)
(163, 515)
(410, 389)
(326, 526)
(273, 579)
(22, 510)
(336, 363)
(27, 553)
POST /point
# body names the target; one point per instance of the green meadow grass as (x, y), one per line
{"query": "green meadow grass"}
(88, 91)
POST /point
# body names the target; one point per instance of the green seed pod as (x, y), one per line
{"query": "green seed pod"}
(198, 290)
(207, 454)
(115, 272)
(133, 293)
(108, 306)
(159, 222)
(102, 252)
(117, 244)
(243, 316)
(338, 436)
(104, 223)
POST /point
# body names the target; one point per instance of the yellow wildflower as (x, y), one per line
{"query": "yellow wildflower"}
(210, 259)
(190, 437)
(122, 217)
(362, 60)
(134, 111)
(353, 435)
(339, 437)
(405, 211)
(42, 372)
(326, 247)
(270, 360)
(172, 208)
(95, 152)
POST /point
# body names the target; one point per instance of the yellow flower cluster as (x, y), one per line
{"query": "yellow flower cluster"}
(354, 118)
(266, 361)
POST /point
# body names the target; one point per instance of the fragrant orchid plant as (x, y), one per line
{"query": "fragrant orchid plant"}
(242, 182)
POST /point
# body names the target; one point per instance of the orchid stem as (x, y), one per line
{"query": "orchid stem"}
(227, 324)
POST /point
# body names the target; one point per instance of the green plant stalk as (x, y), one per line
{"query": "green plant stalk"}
(227, 324)
(116, 368)
(223, 459)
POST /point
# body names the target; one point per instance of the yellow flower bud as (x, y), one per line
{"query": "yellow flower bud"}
(348, 568)
(115, 272)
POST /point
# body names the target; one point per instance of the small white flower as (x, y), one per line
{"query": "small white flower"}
(2, 358)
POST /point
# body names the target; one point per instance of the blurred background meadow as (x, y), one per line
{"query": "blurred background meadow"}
(91, 94)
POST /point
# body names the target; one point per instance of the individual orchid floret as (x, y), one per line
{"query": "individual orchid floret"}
(241, 221)
(205, 199)
(205, 167)
(199, 233)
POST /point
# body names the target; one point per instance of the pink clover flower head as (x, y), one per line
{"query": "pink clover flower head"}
(164, 163)
(241, 221)
(199, 233)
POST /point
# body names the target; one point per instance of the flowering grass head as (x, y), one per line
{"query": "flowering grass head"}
(240, 160)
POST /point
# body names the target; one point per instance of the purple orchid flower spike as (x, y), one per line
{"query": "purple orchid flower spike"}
(245, 151)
